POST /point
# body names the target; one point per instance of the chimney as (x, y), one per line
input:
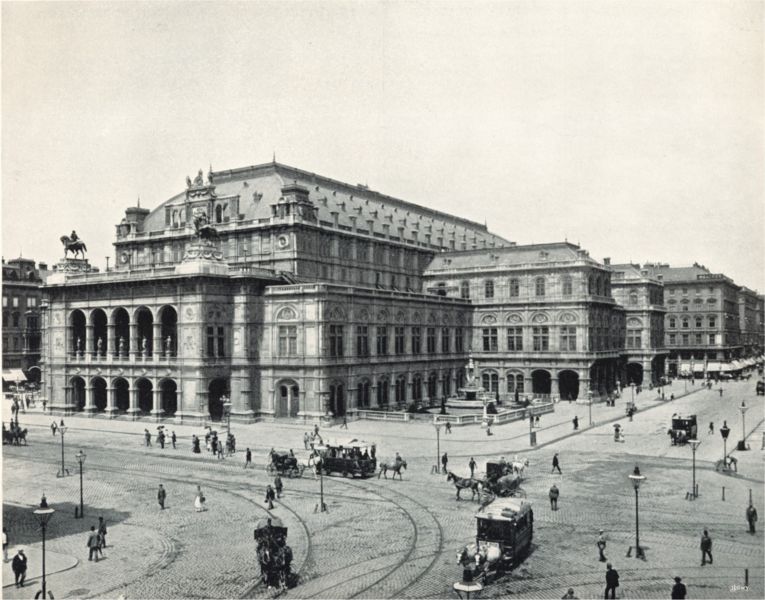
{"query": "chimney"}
(607, 260)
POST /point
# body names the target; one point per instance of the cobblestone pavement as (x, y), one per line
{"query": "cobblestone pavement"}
(386, 539)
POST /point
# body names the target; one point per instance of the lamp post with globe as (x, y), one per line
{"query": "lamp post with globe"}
(43, 514)
(636, 478)
(80, 456)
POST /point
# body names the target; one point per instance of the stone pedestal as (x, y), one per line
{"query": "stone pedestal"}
(203, 257)
(68, 267)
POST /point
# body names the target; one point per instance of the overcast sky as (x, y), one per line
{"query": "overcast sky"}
(633, 128)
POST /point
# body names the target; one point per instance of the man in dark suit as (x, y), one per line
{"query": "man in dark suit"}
(612, 581)
(92, 543)
(19, 566)
(161, 495)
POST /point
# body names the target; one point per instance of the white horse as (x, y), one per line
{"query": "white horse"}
(519, 466)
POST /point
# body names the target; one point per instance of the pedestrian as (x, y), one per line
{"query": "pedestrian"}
(751, 518)
(720, 391)
(576, 422)
(199, 500)
(248, 458)
(316, 430)
(678, 590)
(5, 545)
(147, 437)
(220, 451)
(444, 462)
(161, 495)
(612, 581)
(536, 423)
(270, 497)
(554, 493)
(306, 439)
(345, 424)
(569, 595)
(19, 566)
(53, 428)
(278, 486)
(488, 427)
(101, 534)
(706, 548)
(602, 546)
(92, 543)
(556, 464)
(161, 438)
(471, 465)
(711, 428)
(448, 427)
(61, 423)
(173, 439)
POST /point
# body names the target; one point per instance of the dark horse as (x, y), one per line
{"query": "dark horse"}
(394, 466)
(73, 247)
(464, 483)
(208, 232)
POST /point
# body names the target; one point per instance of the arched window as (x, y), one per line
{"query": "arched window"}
(490, 381)
(672, 322)
(219, 214)
(400, 390)
(567, 286)
(699, 322)
(539, 286)
(685, 322)
(465, 289)
(514, 383)
(712, 321)
(417, 388)
(362, 394)
(489, 288)
(432, 385)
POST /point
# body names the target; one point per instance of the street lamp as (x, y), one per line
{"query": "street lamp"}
(589, 404)
(438, 447)
(636, 478)
(80, 456)
(43, 515)
(743, 408)
(320, 468)
(724, 432)
(632, 390)
(227, 411)
(64, 471)
(694, 444)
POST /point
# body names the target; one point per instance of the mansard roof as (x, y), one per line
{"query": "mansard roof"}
(260, 186)
(629, 272)
(532, 255)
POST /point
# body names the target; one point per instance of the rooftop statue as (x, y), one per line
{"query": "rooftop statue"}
(202, 226)
(74, 245)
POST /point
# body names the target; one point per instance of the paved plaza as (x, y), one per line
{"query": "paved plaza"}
(391, 539)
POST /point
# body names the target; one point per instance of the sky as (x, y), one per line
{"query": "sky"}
(632, 128)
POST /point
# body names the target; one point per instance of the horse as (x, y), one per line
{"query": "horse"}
(20, 436)
(464, 483)
(519, 466)
(479, 561)
(208, 232)
(393, 466)
(73, 247)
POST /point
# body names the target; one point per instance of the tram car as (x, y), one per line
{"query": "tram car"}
(683, 429)
(351, 458)
(504, 532)
(284, 464)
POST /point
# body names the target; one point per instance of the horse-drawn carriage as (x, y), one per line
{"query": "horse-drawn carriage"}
(503, 480)
(15, 435)
(352, 458)
(683, 429)
(274, 555)
(284, 464)
(504, 531)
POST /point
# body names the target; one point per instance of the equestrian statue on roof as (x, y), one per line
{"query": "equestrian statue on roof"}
(202, 226)
(74, 245)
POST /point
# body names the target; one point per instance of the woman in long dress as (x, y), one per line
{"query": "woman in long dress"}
(199, 500)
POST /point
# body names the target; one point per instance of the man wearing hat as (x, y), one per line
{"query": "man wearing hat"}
(19, 566)
(678, 590)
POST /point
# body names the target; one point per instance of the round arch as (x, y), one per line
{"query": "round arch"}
(168, 390)
(541, 381)
(383, 392)
(99, 320)
(121, 322)
(634, 374)
(363, 395)
(121, 394)
(77, 327)
(337, 398)
(144, 389)
(568, 384)
(98, 389)
(168, 319)
(77, 385)
(145, 330)
(217, 388)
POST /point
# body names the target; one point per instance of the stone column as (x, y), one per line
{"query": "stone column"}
(111, 344)
(90, 407)
(133, 395)
(89, 344)
(135, 350)
(584, 389)
(111, 402)
(157, 410)
(156, 345)
(554, 386)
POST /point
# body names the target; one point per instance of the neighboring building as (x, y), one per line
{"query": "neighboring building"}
(310, 304)
(751, 314)
(22, 299)
(545, 321)
(702, 325)
(642, 298)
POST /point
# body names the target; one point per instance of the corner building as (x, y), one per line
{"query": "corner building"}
(309, 304)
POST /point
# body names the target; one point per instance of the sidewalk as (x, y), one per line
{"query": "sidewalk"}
(55, 562)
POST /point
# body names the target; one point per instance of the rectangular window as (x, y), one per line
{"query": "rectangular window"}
(672, 339)
(446, 345)
(400, 341)
(210, 341)
(685, 339)
(515, 339)
(288, 340)
(514, 288)
(15, 302)
(5, 304)
(464, 290)
(490, 339)
(712, 339)
(416, 340)
(489, 288)
(336, 340)
(431, 340)
(382, 340)
(541, 338)
(712, 322)
(459, 340)
(634, 338)
(698, 339)
(362, 340)
(221, 342)
(568, 338)
(32, 301)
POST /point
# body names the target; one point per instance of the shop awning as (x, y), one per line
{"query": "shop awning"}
(698, 367)
(725, 367)
(14, 375)
(736, 365)
(713, 366)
